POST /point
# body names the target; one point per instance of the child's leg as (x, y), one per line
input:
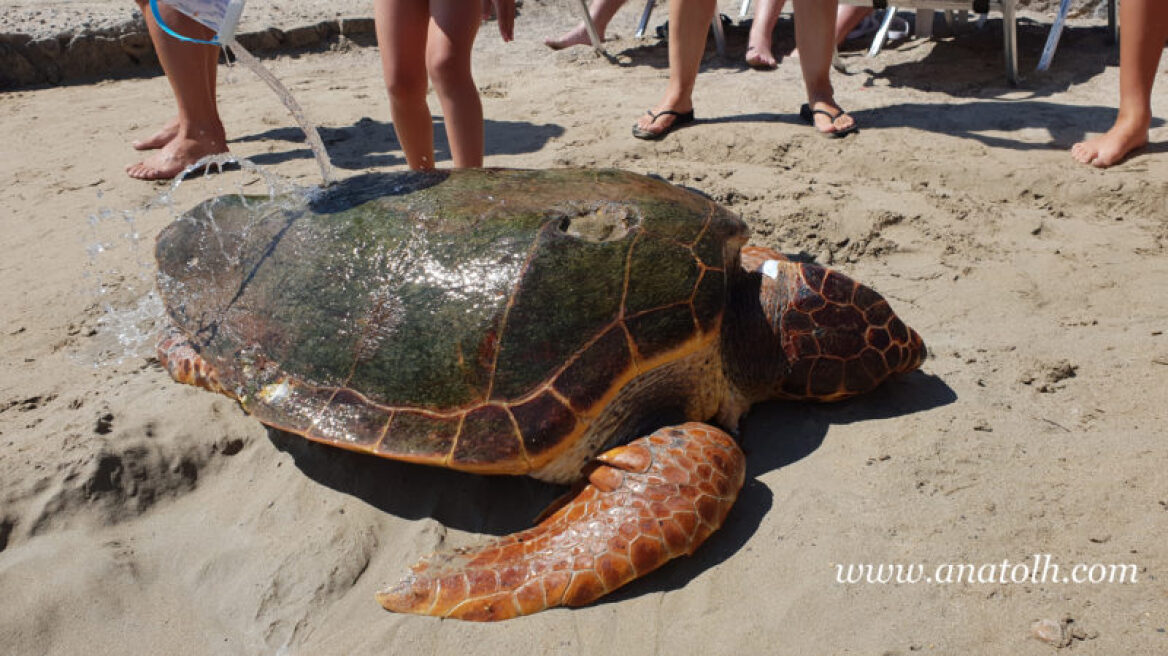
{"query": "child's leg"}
(401, 39)
(758, 50)
(689, 23)
(211, 70)
(847, 17)
(815, 38)
(168, 131)
(198, 131)
(601, 11)
(1143, 31)
(453, 25)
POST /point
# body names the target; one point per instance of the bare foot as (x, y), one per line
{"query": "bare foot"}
(160, 138)
(577, 36)
(1112, 146)
(760, 57)
(174, 158)
(829, 118)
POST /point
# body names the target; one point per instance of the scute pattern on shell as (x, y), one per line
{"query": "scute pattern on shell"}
(474, 319)
(824, 336)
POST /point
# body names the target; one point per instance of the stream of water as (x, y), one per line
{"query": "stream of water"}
(310, 132)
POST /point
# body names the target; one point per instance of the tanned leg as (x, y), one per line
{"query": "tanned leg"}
(758, 49)
(448, 49)
(846, 20)
(1144, 29)
(168, 131)
(689, 20)
(190, 70)
(402, 29)
(814, 32)
(601, 11)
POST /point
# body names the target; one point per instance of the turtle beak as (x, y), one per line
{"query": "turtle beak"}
(917, 353)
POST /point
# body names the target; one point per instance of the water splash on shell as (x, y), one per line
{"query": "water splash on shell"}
(126, 311)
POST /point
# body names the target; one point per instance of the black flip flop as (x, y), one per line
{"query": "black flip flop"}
(808, 115)
(680, 119)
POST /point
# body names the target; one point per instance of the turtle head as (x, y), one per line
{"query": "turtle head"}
(803, 331)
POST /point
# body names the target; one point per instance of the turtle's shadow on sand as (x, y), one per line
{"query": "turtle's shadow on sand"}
(494, 505)
(773, 436)
(371, 144)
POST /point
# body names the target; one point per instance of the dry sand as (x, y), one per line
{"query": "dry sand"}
(141, 516)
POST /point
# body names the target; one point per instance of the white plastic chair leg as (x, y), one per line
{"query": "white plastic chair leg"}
(1052, 37)
(719, 35)
(882, 33)
(645, 14)
(1010, 34)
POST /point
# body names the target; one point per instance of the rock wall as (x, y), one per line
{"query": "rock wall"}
(125, 49)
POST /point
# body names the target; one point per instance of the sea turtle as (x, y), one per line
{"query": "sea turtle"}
(521, 322)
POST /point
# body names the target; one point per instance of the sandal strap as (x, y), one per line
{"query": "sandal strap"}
(828, 113)
(664, 112)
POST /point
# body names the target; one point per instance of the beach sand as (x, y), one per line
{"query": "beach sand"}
(146, 517)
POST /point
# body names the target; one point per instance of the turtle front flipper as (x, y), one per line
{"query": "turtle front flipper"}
(645, 503)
